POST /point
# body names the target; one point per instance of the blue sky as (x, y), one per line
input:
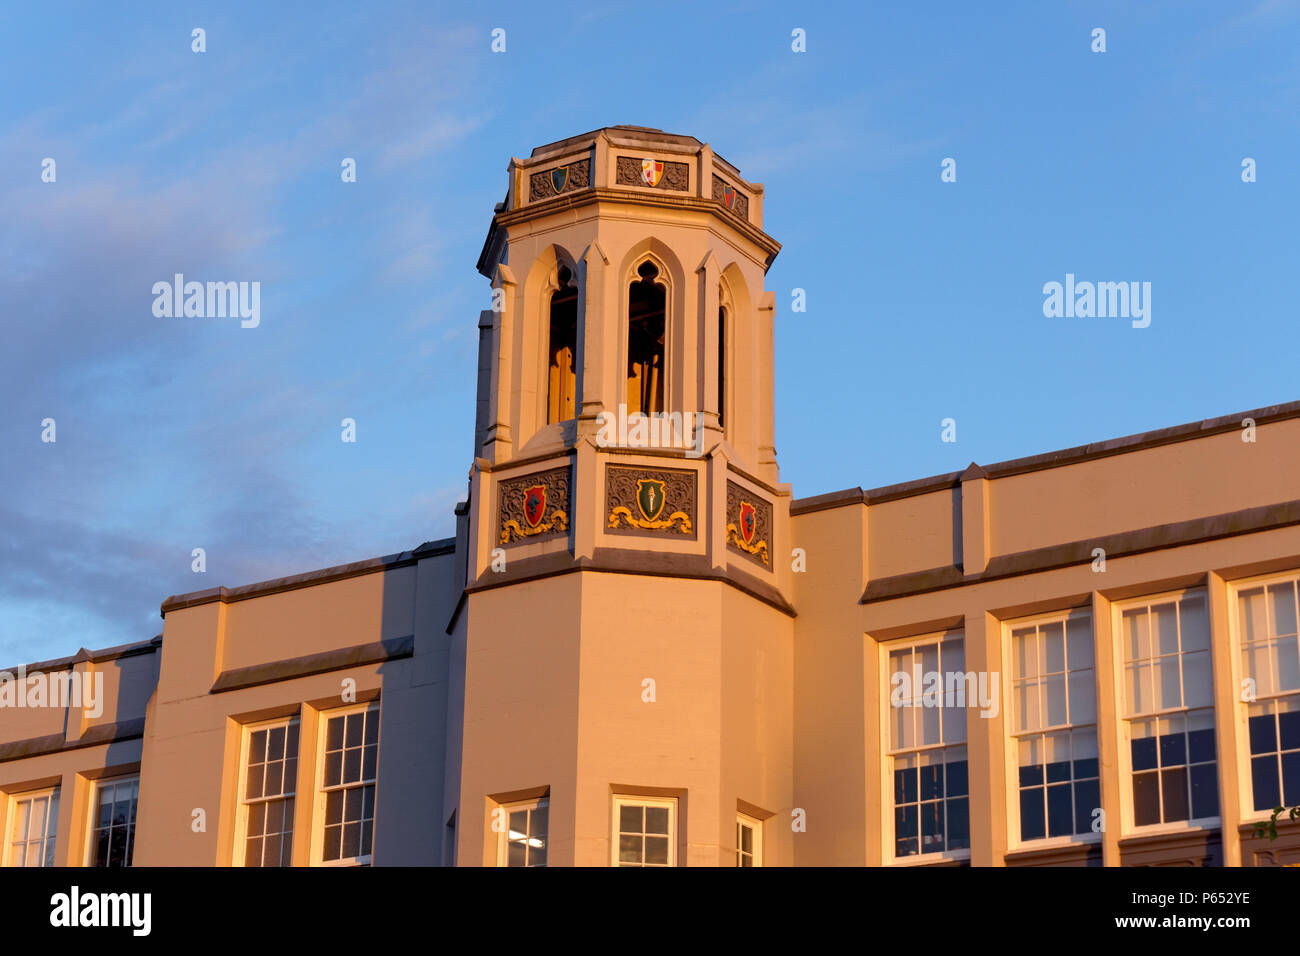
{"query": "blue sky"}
(924, 298)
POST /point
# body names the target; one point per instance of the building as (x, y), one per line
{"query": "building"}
(640, 648)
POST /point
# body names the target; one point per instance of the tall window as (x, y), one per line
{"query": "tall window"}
(1054, 725)
(34, 823)
(112, 839)
(1266, 622)
(346, 804)
(562, 380)
(645, 342)
(523, 840)
(1168, 708)
(927, 748)
(645, 831)
(722, 366)
(267, 801)
(749, 841)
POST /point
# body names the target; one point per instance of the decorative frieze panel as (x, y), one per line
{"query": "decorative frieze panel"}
(534, 507)
(560, 179)
(731, 197)
(749, 524)
(639, 171)
(657, 501)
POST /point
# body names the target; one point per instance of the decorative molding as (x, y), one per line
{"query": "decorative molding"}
(731, 198)
(658, 501)
(660, 564)
(534, 507)
(748, 512)
(676, 176)
(269, 672)
(1121, 544)
(570, 177)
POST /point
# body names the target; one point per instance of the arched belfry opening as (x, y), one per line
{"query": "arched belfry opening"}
(562, 350)
(646, 326)
(722, 366)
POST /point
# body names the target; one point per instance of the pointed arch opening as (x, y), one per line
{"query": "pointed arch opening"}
(562, 350)
(646, 327)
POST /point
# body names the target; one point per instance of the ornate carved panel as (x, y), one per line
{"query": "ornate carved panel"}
(533, 507)
(730, 197)
(749, 525)
(632, 171)
(559, 179)
(657, 501)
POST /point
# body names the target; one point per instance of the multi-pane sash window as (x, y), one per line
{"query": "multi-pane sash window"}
(749, 841)
(927, 747)
(523, 841)
(1270, 658)
(267, 802)
(1054, 725)
(112, 839)
(349, 758)
(34, 819)
(645, 831)
(1168, 705)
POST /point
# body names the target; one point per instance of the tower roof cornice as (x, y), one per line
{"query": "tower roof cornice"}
(636, 165)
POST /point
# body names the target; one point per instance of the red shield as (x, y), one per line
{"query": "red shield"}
(748, 522)
(534, 505)
(729, 197)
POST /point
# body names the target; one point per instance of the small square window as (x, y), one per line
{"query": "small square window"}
(645, 831)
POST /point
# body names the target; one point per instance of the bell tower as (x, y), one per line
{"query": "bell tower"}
(626, 621)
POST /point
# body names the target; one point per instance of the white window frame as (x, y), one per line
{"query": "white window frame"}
(93, 813)
(1013, 737)
(1123, 722)
(503, 837)
(889, 841)
(51, 819)
(630, 799)
(242, 804)
(755, 825)
(1241, 715)
(320, 793)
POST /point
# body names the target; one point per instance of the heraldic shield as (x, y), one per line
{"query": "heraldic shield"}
(650, 497)
(748, 522)
(651, 172)
(534, 504)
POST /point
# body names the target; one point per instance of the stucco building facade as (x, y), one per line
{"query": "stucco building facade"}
(640, 648)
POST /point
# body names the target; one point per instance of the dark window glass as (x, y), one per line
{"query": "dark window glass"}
(932, 782)
(1144, 753)
(1264, 782)
(1291, 778)
(1032, 821)
(959, 824)
(905, 820)
(1060, 810)
(1289, 725)
(1205, 790)
(1146, 798)
(956, 778)
(1087, 798)
(1263, 734)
